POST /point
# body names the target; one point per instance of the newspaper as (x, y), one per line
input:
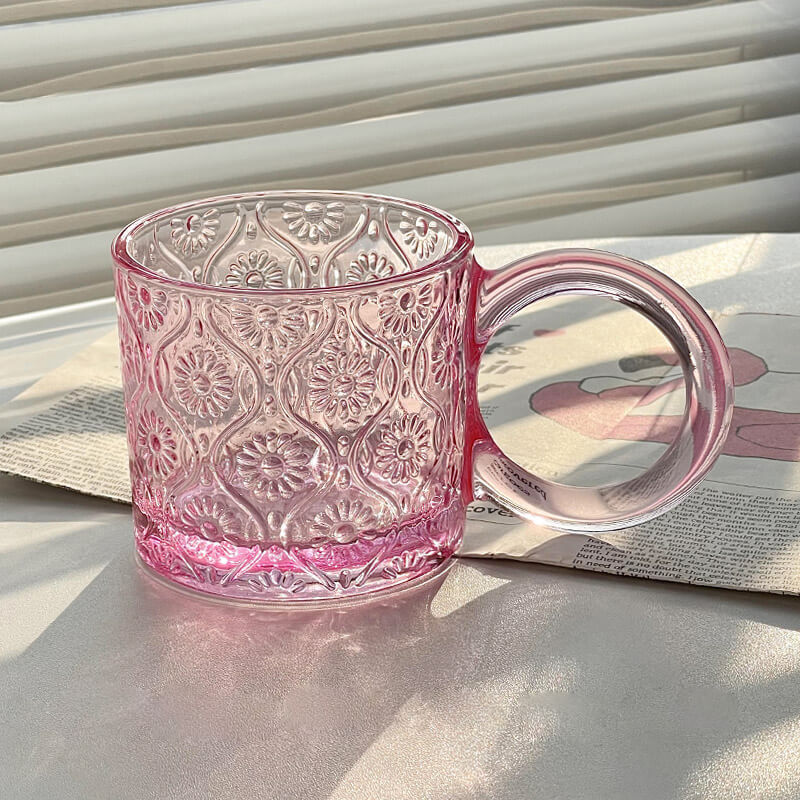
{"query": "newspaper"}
(578, 390)
(74, 435)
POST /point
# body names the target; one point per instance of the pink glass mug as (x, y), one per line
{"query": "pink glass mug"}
(299, 371)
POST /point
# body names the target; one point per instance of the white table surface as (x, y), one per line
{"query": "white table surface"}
(503, 681)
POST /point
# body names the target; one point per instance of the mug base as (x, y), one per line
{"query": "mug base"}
(402, 558)
(398, 589)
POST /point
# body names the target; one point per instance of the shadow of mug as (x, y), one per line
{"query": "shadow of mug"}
(179, 692)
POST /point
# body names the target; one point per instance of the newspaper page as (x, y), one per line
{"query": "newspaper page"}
(578, 390)
(68, 429)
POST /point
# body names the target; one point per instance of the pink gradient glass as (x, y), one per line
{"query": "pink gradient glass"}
(300, 375)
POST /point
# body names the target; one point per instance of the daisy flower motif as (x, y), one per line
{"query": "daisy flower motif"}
(368, 267)
(403, 448)
(342, 384)
(156, 444)
(406, 311)
(273, 465)
(343, 521)
(314, 221)
(272, 327)
(255, 270)
(148, 305)
(444, 356)
(211, 518)
(203, 383)
(420, 234)
(193, 233)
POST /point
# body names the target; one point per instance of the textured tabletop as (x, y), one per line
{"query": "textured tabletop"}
(500, 681)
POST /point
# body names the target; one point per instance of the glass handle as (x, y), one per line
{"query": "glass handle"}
(706, 369)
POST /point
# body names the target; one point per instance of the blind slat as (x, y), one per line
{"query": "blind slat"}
(77, 197)
(13, 11)
(41, 131)
(58, 55)
(768, 204)
(543, 187)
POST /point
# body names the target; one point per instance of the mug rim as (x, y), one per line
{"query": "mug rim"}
(461, 246)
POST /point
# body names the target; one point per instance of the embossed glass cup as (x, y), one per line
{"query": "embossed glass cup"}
(299, 372)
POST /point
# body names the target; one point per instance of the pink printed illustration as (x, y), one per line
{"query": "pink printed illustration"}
(606, 414)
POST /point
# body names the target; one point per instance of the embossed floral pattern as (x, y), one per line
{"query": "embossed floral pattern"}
(212, 518)
(147, 304)
(255, 270)
(269, 326)
(203, 383)
(294, 440)
(405, 311)
(156, 444)
(444, 356)
(221, 552)
(343, 521)
(341, 384)
(148, 498)
(420, 234)
(314, 221)
(193, 233)
(131, 352)
(274, 465)
(403, 448)
(368, 266)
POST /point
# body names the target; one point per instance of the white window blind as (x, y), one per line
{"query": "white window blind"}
(529, 119)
